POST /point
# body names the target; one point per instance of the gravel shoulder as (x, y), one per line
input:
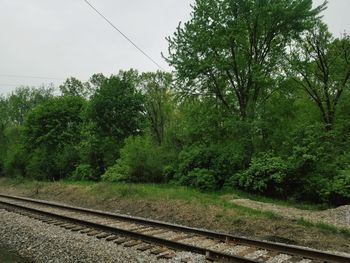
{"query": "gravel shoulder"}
(42, 243)
(339, 217)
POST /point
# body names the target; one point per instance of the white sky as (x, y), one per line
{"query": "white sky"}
(63, 38)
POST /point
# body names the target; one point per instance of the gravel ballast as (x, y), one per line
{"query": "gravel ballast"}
(41, 242)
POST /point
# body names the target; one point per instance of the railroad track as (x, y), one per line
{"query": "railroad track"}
(161, 238)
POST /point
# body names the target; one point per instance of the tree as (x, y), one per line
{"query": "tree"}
(95, 82)
(2, 148)
(321, 66)
(3, 111)
(156, 88)
(117, 107)
(22, 100)
(231, 49)
(74, 87)
(115, 111)
(51, 132)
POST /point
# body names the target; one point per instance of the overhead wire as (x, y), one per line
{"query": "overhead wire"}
(111, 24)
(3, 85)
(28, 77)
(12, 85)
(124, 35)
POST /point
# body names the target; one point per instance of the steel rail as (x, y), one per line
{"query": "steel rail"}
(214, 255)
(281, 248)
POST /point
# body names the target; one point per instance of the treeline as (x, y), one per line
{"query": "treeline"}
(259, 101)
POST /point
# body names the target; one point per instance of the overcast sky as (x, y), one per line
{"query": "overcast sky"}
(61, 38)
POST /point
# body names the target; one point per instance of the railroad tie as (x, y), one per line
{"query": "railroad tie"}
(121, 241)
(93, 233)
(103, 235)
(49, 221)
(70, 227)
(298, 259)
(246, 251)
(78, 228)
(132, 243)
(58, 223)
(65, 224)
(167, 255)
(159, 250)
(145, 247)
(270, 254)
(85, 231)
(112, 238)
(183, 237)
(140, 228)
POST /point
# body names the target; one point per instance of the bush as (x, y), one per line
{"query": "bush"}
(196, 156)
(84, 172)
(222, 161)
(337, 190)
(140, 160)
(41, 164)
(13, 153)
(169, 172)
(228, 160)
(51, 133)
(46, 164)
(120, 172)
(201, 179)
(267, 174)
(314, 151)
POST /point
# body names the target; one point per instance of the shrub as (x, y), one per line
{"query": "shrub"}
(196, 156)
(13, 154)
(267, 174)
(84, 172)
(120, 172)
(314, 151)
(46, 164)
(337, 190)
(41, 164)
(140, 160)
(222, 161)
(201, 179)
(228, 160)
(169, 172)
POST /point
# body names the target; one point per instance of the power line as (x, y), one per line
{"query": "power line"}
(125, 36)
(10, 85)
(28, 77)
(20, 85)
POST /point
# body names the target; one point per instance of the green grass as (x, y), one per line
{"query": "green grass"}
(155, 192)
(288, 203)
(105, 191)
(323, 226)
(171, 192)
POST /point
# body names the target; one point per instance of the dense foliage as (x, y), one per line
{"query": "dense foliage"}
(259, 101)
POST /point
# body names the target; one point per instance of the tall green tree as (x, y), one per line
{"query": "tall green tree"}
(23, 99)
(321, 66)
(51, 134)
(158, 101)
(114, 113)
(3, 110)
(74, 87)
(117, 107)
(95, 82)
(231, 49)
